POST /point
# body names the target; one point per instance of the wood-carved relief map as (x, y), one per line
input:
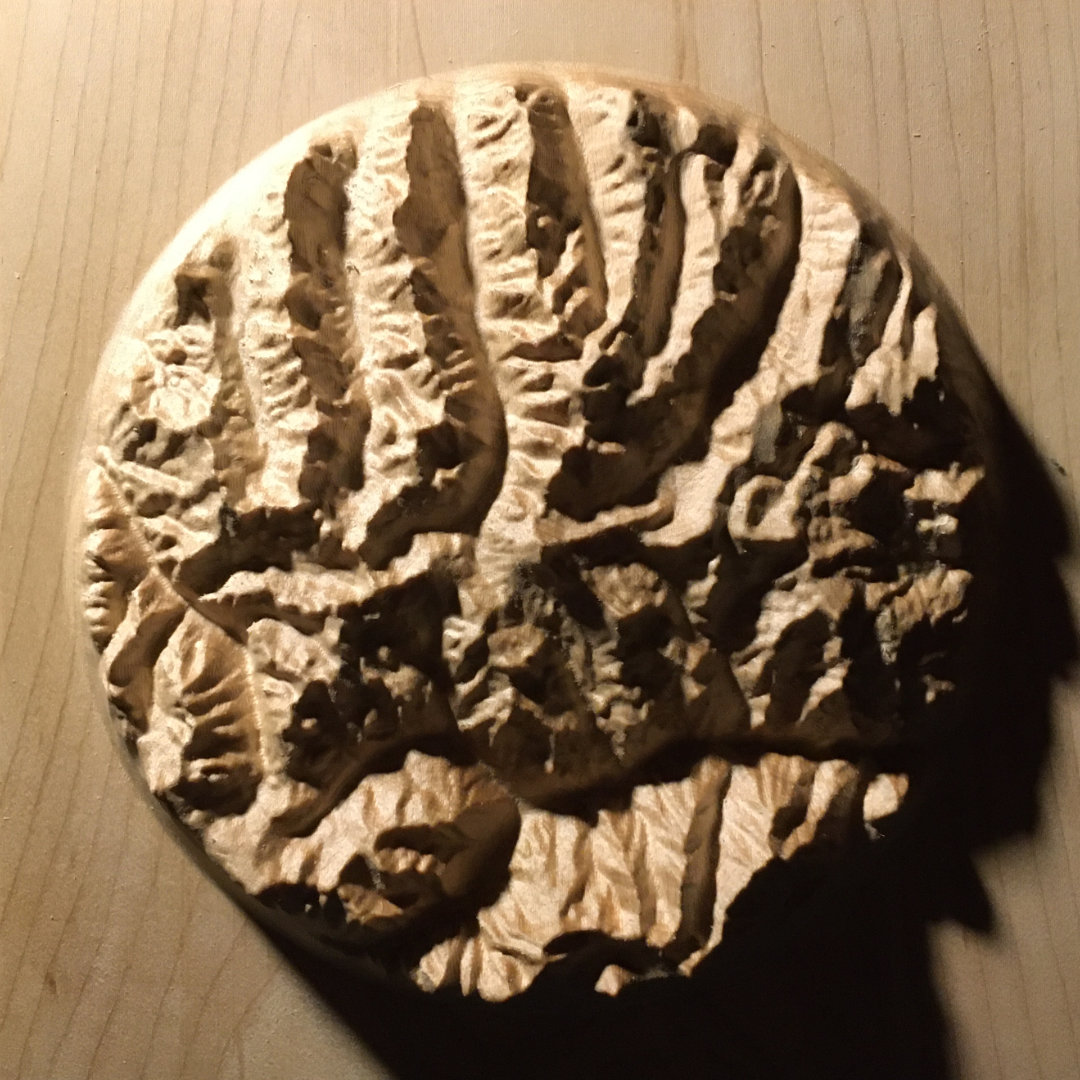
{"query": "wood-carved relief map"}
(523, 507)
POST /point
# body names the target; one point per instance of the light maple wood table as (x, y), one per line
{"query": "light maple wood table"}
(118, 958)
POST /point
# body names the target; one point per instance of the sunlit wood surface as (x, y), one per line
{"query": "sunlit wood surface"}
(118, 959)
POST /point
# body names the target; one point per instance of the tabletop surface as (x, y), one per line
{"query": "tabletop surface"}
(118, 957)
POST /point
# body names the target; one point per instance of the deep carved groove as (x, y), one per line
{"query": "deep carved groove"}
(431, 229)
(318, 301)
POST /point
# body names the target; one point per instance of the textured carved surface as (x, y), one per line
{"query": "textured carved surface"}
(522, 509)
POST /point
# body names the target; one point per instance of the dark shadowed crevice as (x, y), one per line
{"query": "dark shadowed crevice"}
(319, 303)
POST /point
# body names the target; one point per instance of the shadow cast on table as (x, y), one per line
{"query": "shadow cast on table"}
(823, 972)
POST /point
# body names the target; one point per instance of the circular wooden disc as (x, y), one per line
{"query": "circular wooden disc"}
(520, 508)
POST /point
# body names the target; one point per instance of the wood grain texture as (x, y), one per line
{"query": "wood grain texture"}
(118, 958)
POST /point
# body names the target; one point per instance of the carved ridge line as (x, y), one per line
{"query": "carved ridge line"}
(558, 206)
(462, 458)
(206, 288)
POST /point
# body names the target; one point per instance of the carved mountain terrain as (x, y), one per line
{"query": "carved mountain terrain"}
(523, 506)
